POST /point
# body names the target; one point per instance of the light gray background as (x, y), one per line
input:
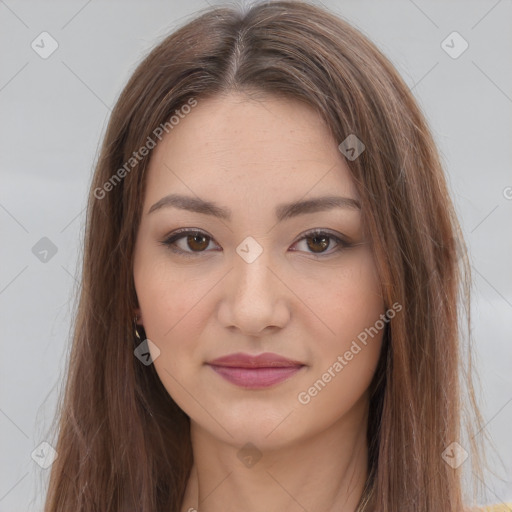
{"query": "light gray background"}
(54, 112)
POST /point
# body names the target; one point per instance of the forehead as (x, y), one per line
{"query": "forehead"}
(264, 150)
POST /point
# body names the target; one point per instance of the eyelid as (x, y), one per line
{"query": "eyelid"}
(324, 231)
(173, 237)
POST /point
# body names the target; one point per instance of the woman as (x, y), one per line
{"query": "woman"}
(268, 317)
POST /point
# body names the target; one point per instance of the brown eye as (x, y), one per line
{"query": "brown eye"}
(193, 243)
(187, 242)
(198, 242)
(318, 243)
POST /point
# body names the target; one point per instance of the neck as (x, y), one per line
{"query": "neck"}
(326, 471)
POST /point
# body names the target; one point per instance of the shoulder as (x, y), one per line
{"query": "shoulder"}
(503, 507)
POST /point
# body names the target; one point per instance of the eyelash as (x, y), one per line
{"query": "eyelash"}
(178, 235)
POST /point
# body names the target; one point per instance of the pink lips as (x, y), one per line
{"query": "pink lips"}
(255, 372)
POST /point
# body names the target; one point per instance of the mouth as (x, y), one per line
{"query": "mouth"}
(255, 372)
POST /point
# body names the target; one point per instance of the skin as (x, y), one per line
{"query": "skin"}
(249, 155)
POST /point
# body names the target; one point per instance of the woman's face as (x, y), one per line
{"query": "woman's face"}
(255, 278)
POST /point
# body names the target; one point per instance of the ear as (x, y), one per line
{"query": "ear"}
(138, 316)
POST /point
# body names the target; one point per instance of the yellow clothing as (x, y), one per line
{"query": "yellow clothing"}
(503, 507)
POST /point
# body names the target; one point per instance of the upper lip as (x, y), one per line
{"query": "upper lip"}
(266, 360)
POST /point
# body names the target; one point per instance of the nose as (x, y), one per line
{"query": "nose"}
(255, 298)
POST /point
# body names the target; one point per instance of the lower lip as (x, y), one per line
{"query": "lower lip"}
(256, 378)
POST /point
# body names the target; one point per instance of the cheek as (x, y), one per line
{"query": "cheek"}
(346, 354)
(175, 309)
(166, 294)
(342, 301)
(169, 310)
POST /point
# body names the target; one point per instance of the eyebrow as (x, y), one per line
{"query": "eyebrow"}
(283, 211)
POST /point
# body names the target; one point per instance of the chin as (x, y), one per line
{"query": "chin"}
(268, 430)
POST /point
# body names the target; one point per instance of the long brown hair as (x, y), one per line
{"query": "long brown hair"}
(123, 444)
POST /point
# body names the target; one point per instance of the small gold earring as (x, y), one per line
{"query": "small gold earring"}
(137, 335)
